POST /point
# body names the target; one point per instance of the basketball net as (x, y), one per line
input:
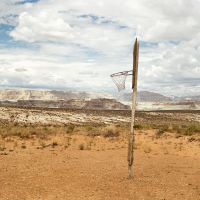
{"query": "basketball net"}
(120, 79)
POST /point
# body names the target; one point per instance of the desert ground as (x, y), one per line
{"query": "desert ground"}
(48, 154)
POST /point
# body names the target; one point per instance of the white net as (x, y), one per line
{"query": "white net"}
(120, 80)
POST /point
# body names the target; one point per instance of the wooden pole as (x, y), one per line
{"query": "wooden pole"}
(131, 137)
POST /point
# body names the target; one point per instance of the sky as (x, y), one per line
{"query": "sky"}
(76, 45)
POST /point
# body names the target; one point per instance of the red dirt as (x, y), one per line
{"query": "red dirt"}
(162, 173)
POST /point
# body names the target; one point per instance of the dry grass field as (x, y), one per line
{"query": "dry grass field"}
(73, 154)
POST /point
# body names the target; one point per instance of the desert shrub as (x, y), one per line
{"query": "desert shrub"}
(45, 128)
(70, 128)
(89, 128)
(94, 133)
(162, 130)
(193, 128)
(2, 145)
(25, 125)
(54, 144)
(42, 143)
(191, 139)
(178, 135)
(42, 135)
(187, 130)
(138, 126)
(67, 142)
(24, 134)
(94, 130)
(159, 132)
(81, 146)
(153, 126)
(119, 125)
(23, 146)
(110, 132)
(164, 127)
(93, 127)
(176, 128)
(33, 132)
(16, 124)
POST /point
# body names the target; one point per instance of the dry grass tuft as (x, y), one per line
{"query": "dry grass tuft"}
(110, 131)
(54, 144)
(81, 146)
(67, 142)
(23, 145)
(162, 130)
(2, 145)
(70, 128)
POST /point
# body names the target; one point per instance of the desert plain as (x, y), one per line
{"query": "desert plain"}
(48, 154)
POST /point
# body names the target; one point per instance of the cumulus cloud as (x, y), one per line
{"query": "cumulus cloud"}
(79, 43)
(45, 26)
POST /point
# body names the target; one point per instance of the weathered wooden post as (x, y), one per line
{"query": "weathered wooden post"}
(131, 138)
(119, 79)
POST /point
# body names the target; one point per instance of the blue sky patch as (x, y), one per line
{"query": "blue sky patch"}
(7, 41)
(4, 33)
(144, 44)
(27, 1)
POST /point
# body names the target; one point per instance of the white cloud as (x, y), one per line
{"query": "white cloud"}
(9, 10)
(38, 70)
(45, 26)
(79, 39)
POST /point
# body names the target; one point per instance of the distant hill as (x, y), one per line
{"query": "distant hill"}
(145, 96)
(94, 100)
(93, 104)
(24, 94)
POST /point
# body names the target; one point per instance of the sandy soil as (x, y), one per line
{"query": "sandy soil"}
(166, 168)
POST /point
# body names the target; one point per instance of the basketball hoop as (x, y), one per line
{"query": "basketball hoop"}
(119, 79)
